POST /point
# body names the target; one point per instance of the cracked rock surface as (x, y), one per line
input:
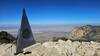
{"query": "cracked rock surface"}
(60, 48)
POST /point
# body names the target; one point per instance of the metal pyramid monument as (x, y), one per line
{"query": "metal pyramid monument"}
(25, 37)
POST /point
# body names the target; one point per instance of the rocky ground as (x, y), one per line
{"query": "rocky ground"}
(60, 48)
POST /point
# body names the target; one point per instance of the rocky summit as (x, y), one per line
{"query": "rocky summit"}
(60, 48)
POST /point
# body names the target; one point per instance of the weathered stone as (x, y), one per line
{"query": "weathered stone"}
(97, 52)
(60, 48)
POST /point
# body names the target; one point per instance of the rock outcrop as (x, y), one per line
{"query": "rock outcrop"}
(82, 33)
(68, 48)
(62, 48)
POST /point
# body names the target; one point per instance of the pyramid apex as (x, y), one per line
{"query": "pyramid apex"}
(23, 9)
(24, 12)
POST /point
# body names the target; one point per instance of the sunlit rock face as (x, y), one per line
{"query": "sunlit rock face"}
(67, 48)
(60, 48)
(82, 33)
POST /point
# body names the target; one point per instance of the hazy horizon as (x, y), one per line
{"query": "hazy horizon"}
(4, 27)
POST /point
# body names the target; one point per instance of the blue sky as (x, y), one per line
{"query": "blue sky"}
(50, 11)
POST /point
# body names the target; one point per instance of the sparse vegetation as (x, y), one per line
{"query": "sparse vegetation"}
(59, 38)
(6, 37)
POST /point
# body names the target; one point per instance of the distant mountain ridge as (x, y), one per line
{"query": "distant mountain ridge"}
(35, 26)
